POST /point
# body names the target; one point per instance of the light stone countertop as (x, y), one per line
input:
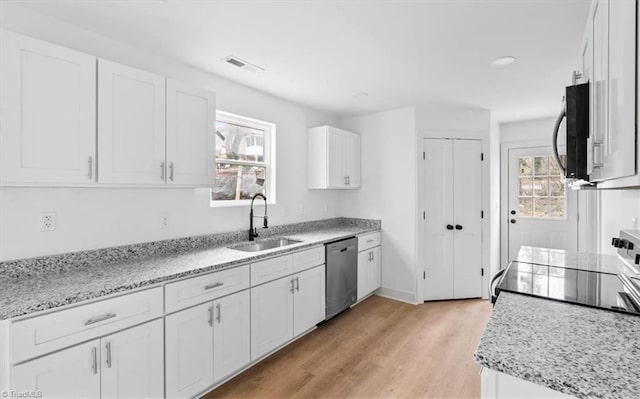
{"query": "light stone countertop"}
(577, 350)
(25, 294)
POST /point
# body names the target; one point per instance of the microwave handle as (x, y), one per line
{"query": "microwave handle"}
(556, 129)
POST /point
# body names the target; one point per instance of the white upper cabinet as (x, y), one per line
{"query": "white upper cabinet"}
(609, 64)
(131, 125)
(48, 102)
(333, 158)
(191, 116)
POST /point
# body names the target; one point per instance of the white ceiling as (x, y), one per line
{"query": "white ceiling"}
(321, 53)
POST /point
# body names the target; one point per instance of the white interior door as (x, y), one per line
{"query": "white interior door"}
(542, 212)
(438, 204)
(467, 208)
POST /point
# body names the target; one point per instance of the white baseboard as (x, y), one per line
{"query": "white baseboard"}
(402, 296)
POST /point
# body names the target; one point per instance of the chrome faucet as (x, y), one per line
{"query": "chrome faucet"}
(253, 231)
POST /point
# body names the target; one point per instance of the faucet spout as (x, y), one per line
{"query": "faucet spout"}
(253, 232)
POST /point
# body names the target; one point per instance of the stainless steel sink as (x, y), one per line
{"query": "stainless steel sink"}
(264, 245)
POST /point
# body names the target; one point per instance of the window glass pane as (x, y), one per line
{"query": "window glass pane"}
(237, 182)
(526, 187)
(540, 207)
(554, 169)
(239, 142)
(525, 166)
(541, 166)
(557, 207)
(556, 186)
(541, 186)
(525, 207)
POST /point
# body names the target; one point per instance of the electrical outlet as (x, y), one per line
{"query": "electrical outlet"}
(47, 221)
(164, 220)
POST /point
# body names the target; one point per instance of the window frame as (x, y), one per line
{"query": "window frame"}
(548, 197)
(269, 161)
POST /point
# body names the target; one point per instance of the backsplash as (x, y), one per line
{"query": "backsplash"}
(67, 261)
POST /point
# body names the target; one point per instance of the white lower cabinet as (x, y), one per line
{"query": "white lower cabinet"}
(206, 343)
(271, 316)
(189, 351)
(128, 364)
(369, 270)
(286, 308)
(231, 334)
(70, 373)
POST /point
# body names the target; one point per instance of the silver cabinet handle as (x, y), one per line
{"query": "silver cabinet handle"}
(214, 285)
(171, 171)
(210, 315)
(94, 364)
(345, 180)
(99, 319)
(108, 348)
(373, 256)
(298, 284)
(370, 256)
(219, 316)
(292, 286)
(371, 240)
(348, 180)
(90, 168)
(162, 171)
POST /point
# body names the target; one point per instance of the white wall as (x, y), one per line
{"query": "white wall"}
(388, 192)
(100, 217)
(619, 209)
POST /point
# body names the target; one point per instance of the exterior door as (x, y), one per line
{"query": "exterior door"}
(191, 117)
(131, 125)
(271, 316)
(309, 299)
(189, 351)
(231, 334)
(542, 212)
(70, 373)
(453, 221)
(132, 363)
(48, 113)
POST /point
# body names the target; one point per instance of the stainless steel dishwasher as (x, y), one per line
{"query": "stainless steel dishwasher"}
(342, 275)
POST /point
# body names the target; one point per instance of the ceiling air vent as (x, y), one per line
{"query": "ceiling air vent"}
(233, 60)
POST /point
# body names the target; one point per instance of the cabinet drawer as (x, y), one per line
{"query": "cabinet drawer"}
(271, 269)
(43, 334)
(307, 259)
(368, 241)
(196, 290)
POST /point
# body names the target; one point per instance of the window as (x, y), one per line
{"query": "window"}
(542, 190)
(245, 160)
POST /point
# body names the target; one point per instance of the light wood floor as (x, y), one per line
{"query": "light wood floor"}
(379, 349)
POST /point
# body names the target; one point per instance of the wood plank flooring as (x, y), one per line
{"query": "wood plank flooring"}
(379, 349)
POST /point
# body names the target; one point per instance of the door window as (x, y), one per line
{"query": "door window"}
(541, 188)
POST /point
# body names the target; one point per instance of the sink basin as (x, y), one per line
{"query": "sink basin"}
(264, 245)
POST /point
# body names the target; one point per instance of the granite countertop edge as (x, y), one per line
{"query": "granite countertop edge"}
(76, 296)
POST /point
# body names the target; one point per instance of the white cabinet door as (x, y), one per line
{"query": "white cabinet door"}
(189, 351)
(363, 274)
(191, 117)
(48, 112)
(374, 266)
(352, 159)
(599, 90)
(70, 373)
(309, 299)
(620, 158)
(336, 177)
(231, 334)
(271, 316)
(131, 125)
(438, 205)
(132, 362)
(467, 205)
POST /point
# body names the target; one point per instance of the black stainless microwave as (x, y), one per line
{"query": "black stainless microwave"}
(576, 113)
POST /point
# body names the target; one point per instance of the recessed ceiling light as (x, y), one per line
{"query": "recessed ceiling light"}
(503, 61)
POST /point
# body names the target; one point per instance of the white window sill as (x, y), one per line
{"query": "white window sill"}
(241, 203)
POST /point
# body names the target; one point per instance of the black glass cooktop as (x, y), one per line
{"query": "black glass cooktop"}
(596, 289)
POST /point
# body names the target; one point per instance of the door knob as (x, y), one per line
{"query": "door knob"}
(513, 212)
(449, 227)
(512, 220)
(458, 227)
